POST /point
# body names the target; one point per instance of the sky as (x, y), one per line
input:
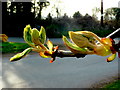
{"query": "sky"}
(71, 6)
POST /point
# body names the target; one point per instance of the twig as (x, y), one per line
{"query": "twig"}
(63, 53)
(114, 34)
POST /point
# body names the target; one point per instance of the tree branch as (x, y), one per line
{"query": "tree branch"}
(63, 53)
(114, 34)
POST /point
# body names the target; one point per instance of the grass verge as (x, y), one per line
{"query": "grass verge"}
(12, 47)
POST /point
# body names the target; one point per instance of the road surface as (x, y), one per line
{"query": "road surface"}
(36, 72)
(20, 39)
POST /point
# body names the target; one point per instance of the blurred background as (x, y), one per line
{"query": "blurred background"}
(60, 16)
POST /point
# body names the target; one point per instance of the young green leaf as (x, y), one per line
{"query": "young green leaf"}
(20, 55)
(111, 58)
(74, 48)
(35, 39)
(80, 39)
(50, 45)
(27, 35)
(42, 54)
(35, 36)
(42, 35)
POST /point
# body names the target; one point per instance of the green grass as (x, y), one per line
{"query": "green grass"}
(115, 84)
(12, 47)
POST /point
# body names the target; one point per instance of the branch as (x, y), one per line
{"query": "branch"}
(114, 34)
(33, 40)
(63, 53)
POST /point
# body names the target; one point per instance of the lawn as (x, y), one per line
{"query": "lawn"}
(115, 84)
(12, 47)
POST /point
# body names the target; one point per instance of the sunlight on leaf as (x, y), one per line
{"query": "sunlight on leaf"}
(42, 35)
(21, 55)
(83, 42)
(111, 58)
(74, 48)
(81, 39)
(50, 45)
(42, 54)
(27, 35)
(86, 42)
(35, 36)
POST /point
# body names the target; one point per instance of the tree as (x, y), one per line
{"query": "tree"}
(87, 21)
(113, 15)
(95, 12)
(117, 16)
(57, 7)
(15, 16)
(49, 17)
(77, 15)
(58, 12)
(38, 6)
